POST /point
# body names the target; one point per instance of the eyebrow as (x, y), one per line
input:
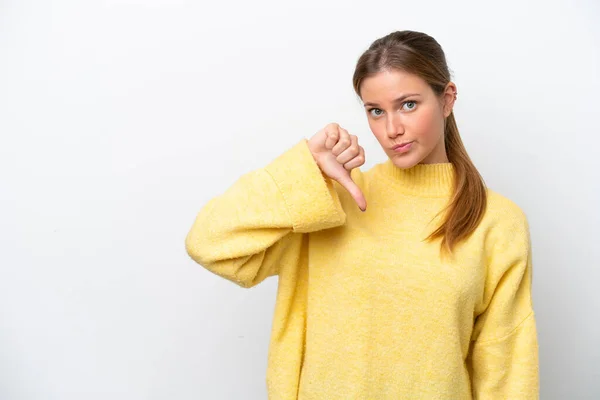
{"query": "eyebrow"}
(399, 99)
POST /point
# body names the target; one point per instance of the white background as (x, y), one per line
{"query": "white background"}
(119, 120)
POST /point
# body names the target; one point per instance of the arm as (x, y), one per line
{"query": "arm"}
(503, 359)
(247, 233)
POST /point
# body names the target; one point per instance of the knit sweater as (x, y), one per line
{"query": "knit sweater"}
(365, 307)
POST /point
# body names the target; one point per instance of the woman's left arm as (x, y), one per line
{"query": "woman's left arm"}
(503, 357)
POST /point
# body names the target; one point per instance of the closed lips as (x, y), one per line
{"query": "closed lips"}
(401, 145)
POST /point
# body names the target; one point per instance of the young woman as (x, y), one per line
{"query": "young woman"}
(425, 293)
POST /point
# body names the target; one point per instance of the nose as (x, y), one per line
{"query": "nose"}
(394, 126)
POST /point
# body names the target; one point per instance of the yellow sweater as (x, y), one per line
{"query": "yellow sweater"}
(365, 308)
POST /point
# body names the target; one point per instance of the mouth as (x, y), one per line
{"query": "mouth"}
(403, 147)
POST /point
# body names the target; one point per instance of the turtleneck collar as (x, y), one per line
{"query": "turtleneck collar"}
(429, 180)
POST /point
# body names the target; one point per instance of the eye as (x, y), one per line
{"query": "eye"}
(372, 109)
(376, 112)
(410, 102)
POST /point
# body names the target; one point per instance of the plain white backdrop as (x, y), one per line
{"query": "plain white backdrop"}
(119, 120)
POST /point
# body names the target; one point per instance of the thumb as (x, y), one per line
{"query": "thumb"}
(352, 188)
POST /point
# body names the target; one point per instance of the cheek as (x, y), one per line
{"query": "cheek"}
(378, 130)
(425, 126)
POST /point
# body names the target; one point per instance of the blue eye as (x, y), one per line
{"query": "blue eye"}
(375, 115)
(379, 111)
(412, 108)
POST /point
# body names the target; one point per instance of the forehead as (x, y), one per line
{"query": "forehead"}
(386, 86)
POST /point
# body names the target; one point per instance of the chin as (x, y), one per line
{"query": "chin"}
(405, 161)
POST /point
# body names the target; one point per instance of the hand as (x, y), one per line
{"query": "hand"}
(337, 153)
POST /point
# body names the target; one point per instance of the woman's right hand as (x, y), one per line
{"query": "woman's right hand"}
(337, 153)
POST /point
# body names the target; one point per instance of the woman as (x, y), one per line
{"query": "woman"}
(425, 294)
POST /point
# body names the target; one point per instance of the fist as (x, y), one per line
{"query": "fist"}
(337, 153)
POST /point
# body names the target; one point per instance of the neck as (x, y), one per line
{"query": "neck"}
(429, 180)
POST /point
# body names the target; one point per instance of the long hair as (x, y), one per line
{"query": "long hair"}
(420, 54)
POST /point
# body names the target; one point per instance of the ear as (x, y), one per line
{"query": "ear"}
(449, 97)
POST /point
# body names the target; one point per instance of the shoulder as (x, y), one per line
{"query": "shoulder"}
(501, 208)
(504, 220)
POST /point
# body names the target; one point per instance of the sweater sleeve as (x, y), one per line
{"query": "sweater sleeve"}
(247, 233)
(503, 359)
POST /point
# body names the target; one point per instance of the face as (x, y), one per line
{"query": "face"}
(402, 108)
